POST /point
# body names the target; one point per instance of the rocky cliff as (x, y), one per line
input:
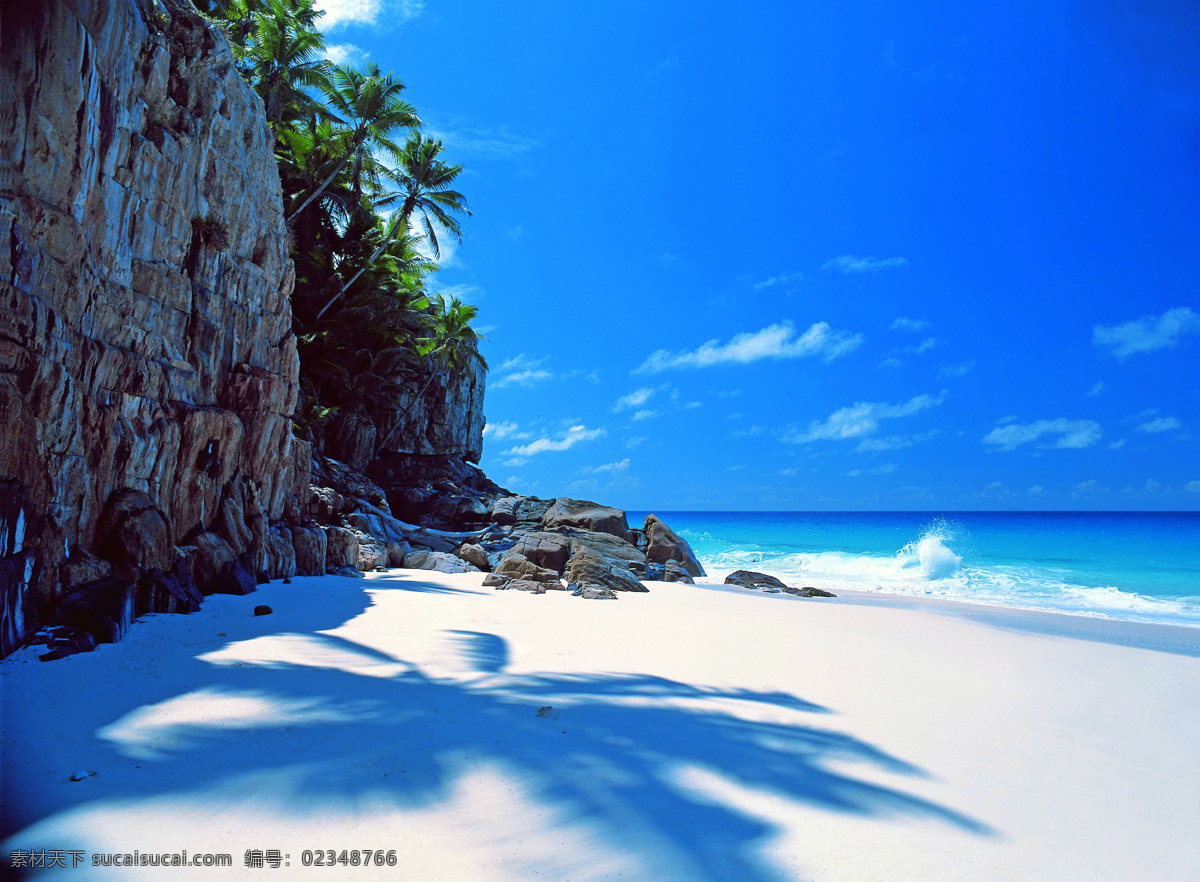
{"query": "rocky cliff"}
(148, 370)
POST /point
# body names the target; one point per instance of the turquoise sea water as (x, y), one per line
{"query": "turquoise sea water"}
(1142, 566)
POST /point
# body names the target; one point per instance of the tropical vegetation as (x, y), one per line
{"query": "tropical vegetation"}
(366, 196)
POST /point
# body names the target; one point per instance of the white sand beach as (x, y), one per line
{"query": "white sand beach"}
(694, 732)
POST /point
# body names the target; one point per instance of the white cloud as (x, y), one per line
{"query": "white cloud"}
(637, 397)
(503, 430)
(644, 415)
(1148, 333)
(1098, 389)
(924, 346)
(886, 469)
(367, 12)
(860, 419)
(781, 279)
(1087, 486)
(608, 468)
(345, 53)
(848, 263)
(521, 370)
(910, 324)
(948, 371)
(1072, 434)
(488, 143)
(574, 435)
(1160, 424)
(1036, 490)
(777, 341)
(1192, 486)
(634, 442)
(515, 461)
(1117, 445)
(1152, 485)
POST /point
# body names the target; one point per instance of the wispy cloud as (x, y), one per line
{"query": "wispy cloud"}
(495, 142)
(574, 435)
(1160, 424)
(910, 324)
(1148, 333)
(895, 442)
(886, 469)
(922, 347)
(367, 12)
(961, 369)
(1117, 445)
(1192, 486)
(637, 397)
(1087, 486)
(777, 341)
(1096, 390)
(644, 414)
(610, 468)
(852, 265)
(781, 279)
(1067, 434)
(860, 420)
(521, 370)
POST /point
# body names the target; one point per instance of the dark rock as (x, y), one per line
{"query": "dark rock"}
(664, 544)
(532, 587)
(656, 573)
(234, 578)
(588, 592)
(475, 555)
(523, 512)
(495, 580)
(673, 571)
(309, 544)
(613, 549)
(287, 581)
(587, 569)
(809, 592)
(172, 592)
(211, 557)
(262, 577)
(62, 641)
(341, 548)
(580, 514)
(281, 552)
(19, 574)
(751, 579)
(548, 550)
(263, 610)
(517, 566)
(133, 534)
(349, 572)
(104, 608)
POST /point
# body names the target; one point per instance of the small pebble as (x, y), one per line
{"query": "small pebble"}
(80, 776)
(263, 610)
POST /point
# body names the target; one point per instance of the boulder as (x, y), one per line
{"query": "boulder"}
(341, 549)
(495, 580)
(533, 587)
(263, 610)
(751, 579)
(348, 572)
(587, 569)
(616, 551)
(281, 553)
(580, 514)
(104, 608)
(309, 545)
(524, 512)
(62, 641)
(82, 567)
(212, 556)
(673, 571)
(474, 554)
(234, 578)
(438, 561)
(517, 566)
(548, 550)
(591, 593)
(809, 592)
(396, 552)
(664, 544)
(371, 553)
(133, 534)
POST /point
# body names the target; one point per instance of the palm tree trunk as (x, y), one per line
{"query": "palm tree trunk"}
(402, 215)
(321, 189)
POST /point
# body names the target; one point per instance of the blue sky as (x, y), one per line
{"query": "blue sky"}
(823, 256)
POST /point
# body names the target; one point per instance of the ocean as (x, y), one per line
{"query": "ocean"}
(1141, 566)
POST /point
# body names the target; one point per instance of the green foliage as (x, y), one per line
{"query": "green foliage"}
(357, 175)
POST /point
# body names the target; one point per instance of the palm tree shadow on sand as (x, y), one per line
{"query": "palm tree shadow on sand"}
(603, 751)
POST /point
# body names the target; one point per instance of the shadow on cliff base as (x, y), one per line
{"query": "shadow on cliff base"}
(603, 757)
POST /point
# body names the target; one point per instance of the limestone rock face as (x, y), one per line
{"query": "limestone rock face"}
(145, 325)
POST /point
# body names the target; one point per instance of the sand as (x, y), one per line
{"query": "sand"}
(693, 732)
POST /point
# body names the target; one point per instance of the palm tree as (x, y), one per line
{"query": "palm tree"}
(367, 102)
(451, 347)
(423, 186)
